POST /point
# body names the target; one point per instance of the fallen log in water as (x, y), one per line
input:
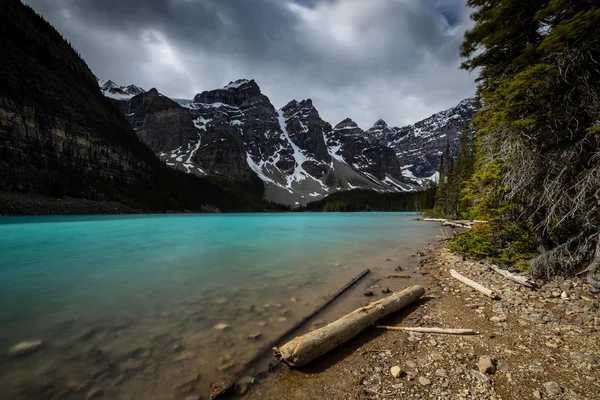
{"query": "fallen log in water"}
(435, 219)
(480, 288)
(445, 331)
(510, 276)
(265, 349)
(397, 276)
(303, 349)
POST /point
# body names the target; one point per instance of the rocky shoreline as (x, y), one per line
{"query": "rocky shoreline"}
(532, 344)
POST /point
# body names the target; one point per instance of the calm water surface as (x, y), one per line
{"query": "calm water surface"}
(142, 294)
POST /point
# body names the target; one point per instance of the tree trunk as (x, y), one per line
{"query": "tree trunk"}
(303, 349)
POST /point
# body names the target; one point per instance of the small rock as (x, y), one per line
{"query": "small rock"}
(226, 366)
(566, 285)
(498, 318)
(185, 355)
(388, 259)
(411, 364)
(254, 336)
(564, 296)
(486, 365)
(395, 371)
(399, 268)
(479, 377)
(386, 291)
(319, 323)
(424, 381)
(552, 388)
(441, 373)
(368, 293)
(537, 394)
(221, 388)
(222, 326)
(536, 368)
(23, 348)
(586, 359)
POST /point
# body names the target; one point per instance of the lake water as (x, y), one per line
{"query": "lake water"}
(129, 304)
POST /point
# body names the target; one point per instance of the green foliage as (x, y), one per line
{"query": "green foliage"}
(537, 169)
(454, 175)
(499, 242)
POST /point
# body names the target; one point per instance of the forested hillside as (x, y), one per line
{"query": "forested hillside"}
(60, 137)
(534, 172)
(368, 200)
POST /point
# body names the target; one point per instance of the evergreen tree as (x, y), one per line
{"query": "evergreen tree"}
(537, 166)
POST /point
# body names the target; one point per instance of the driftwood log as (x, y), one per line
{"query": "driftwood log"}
(303, 349)
(456, 225)
(510, 276)
(445, 331)
(435, 219)
(480, 288)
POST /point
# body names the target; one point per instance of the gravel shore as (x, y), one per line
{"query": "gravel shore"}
(532, 344)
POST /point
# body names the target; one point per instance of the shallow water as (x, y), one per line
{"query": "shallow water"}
(129, 303)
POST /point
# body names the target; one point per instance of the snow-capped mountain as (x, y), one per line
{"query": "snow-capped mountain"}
(237, 132)
(419, 147)
(114, 91)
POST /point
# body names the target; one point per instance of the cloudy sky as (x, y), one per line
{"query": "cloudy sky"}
(391, 59)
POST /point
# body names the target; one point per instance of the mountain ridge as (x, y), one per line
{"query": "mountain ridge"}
(299, 156)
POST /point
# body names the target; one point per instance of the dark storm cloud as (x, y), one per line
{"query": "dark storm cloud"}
(391, 59)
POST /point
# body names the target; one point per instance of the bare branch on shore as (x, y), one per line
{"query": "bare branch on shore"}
(444, 331)
(477, 286)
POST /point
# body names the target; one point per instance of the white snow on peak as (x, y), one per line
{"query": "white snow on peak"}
(236, 84)
(299, 173)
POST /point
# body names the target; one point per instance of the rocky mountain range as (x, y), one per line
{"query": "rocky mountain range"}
(237, 132)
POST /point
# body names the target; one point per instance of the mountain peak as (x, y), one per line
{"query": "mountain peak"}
(346, 124)
(239, 83)
(380, 124)
(306, 103)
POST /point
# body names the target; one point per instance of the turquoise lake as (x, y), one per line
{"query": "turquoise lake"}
(161, 283)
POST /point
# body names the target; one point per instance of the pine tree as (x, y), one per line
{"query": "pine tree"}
(537, 164)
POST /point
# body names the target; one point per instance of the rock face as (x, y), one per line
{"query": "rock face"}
(160, 122)
(235, 131)
(60, 137)
(419, 147)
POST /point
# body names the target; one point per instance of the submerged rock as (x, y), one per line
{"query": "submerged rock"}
(221, 388)
(254, 336)
(23, 348)
(368, 293)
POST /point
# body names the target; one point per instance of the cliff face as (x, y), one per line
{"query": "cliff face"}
(59, 136)
(155, 118)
